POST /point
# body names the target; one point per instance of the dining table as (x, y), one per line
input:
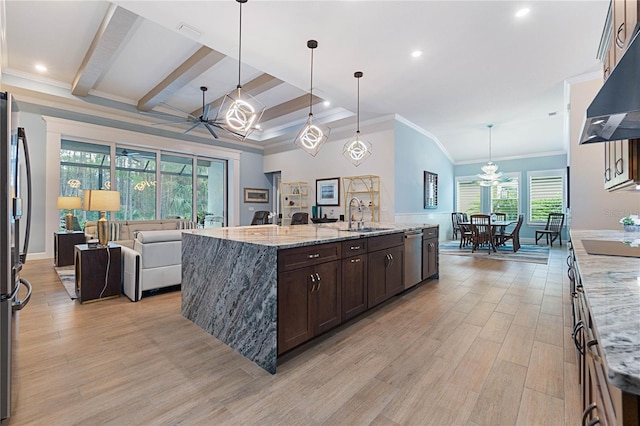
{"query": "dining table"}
(495, 225)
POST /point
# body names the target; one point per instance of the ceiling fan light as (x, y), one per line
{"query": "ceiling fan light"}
(312, 136)
(356, 150)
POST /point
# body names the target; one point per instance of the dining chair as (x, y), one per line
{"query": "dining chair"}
(465, 234)
(514, 235)
(300, 218)
(481, 231)
(499, 232)
(260, 218)
(553, 229)
(455, 227)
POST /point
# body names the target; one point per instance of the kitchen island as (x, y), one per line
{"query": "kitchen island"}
(230, 279)
(606, 309)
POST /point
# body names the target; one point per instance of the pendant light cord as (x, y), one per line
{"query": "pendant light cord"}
(490, 126)
(358, 107)
(240, 47)
(311, 88)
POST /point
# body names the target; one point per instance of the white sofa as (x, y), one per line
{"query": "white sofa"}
(154, 262)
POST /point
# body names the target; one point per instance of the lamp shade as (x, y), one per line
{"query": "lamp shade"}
(101, 200)
(69, 203)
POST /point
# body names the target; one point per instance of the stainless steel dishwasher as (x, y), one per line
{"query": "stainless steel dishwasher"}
(412, 258)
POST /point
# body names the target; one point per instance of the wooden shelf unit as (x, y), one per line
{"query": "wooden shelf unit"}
(367, 189)
(296, 192)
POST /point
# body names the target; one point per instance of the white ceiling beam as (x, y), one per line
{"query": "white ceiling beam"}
(288, 107)
(258, 85)
(114, 29)
(197, 64)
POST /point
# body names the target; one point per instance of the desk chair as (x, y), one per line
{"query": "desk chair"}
(300, 218)
(260, 218)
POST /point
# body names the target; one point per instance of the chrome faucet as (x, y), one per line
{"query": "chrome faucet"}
(360, 223)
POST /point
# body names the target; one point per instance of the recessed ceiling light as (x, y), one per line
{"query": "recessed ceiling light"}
(523, 12)
(41, 68)
(326, 103)
(416, 53)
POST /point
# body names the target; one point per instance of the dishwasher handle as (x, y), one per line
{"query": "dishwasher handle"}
(417, 234)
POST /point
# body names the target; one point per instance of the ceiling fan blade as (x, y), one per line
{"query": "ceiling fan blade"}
(210, 130)
(205, 114)
(191, 128)
(181, 121)
(179, 110)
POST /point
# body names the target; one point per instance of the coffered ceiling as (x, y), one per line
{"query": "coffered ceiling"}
(479, 64)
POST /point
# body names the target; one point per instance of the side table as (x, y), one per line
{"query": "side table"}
(98, 272)
(63, 243)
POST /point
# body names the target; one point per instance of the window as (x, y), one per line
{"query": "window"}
(146, 193)
(136, 181)
(467, 196)
(83, 166)
(505, 197)
(177, 186)
(211, 187)
(546, 194)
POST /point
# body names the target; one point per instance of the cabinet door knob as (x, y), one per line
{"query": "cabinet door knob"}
(619, 166)
(313, 279)
(317, 276)
(356, 260)
(355, 247)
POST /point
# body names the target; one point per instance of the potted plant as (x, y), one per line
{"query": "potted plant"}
(631, 223)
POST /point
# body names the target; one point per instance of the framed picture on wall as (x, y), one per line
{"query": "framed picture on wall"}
(328, 192)
(256, 195)
(430, 190)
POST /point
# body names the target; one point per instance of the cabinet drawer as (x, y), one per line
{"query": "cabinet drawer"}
(385, 241)
(299, 257)
(354, 247)
(429, 233)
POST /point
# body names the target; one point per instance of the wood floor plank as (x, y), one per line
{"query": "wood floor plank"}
(499, 399)
(540, 409)
(457, 350)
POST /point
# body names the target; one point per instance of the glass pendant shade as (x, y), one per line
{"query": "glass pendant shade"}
(356, 150)
(240, 111)
(490, 174)
(312, 136)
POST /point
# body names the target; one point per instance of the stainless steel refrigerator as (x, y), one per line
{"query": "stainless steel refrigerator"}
(15, 177)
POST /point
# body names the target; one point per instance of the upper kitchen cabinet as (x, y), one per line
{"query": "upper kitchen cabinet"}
(621, 157)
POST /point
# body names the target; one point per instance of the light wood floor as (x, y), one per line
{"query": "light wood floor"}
(486, 344)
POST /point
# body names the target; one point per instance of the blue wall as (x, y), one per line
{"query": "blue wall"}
(252, 176)
(522, 166)
(415, 153)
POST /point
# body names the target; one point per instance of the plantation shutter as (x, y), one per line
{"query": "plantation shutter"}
(468, 197)
(545, 196)
(505, 197)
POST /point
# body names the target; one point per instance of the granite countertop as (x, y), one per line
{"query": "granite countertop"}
(612, 288)
(303, 235)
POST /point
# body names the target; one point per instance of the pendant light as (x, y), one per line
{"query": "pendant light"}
(312, 136)
(490, 174)
(241, 111)
(357, 150)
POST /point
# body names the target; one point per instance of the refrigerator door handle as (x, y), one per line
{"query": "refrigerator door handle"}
(10, 296)
(22, 135)
(19, 304)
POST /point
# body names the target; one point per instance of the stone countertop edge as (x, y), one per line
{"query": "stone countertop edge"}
(612, 288)
(292, 236)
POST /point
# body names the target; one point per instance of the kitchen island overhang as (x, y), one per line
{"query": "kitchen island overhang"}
(230, 280)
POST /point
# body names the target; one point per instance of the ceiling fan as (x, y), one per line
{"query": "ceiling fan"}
(203, 120)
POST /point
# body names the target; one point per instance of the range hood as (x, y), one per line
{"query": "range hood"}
(614, 113)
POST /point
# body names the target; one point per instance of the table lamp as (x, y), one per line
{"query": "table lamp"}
(102, 201)
(69, 203)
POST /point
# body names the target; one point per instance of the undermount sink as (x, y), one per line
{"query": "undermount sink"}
(367, 229)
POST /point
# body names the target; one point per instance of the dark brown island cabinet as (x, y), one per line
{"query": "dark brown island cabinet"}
(430, 255)
(324, 285)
